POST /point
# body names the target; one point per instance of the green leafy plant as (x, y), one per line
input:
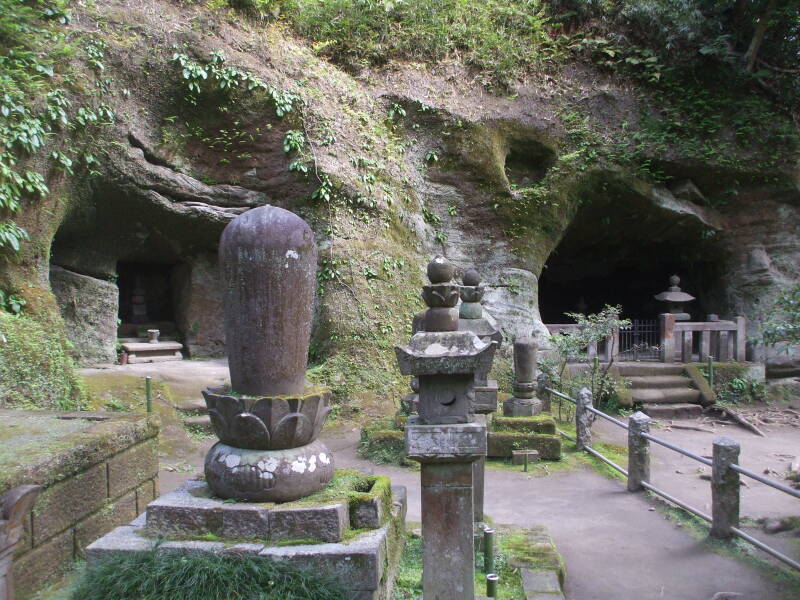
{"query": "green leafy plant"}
(783, 324)
(293, 141)
(11, 302)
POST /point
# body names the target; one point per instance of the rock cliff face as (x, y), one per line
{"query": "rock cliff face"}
(488, 181)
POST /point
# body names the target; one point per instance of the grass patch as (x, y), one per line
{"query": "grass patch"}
(408, 583)
(171, 576)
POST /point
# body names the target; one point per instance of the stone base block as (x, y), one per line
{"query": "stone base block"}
(443, 443)
(365, 564)
(486, 398)
(522, 407)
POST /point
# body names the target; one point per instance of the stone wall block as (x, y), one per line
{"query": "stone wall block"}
(69, 501)
(326, 523)
(131, 468)
(367, 515)
(43, 564)
(145, 494)
(114, 513)
(179, 512)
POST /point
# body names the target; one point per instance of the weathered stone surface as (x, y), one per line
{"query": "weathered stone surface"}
(443, 442)
(502, 444)
(638, 451)
(486, 397)
(518, 456)
(89, 308)
(121, 539)
(191, 546)
(724, 488)
(325, 523)
(43, 564)
(69, 501)
(367, 515)
(268, 262)
(246, 522)
(132, 467)
(183, 512)
(448, 551)
(145, 494)
(198, 307)
(268, 475)
(113, 514)
(518, 407)
(540, 580)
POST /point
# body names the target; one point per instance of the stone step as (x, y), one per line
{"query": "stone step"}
(191, 406)
(201, 422)
(642, 369)
(682, 395)
(658, 381)
(673, 411)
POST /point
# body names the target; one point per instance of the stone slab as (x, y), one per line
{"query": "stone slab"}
(143, 347)
(540, 580)
(367, 515)
(518, 456)
(246, 522)
(141, 358)
(121, 539)
(44, 563)
(181, 512)
(325, 523)
(131, 468)
(445, 442)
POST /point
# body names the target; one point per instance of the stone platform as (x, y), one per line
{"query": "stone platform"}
(358, 538)
(143, 352)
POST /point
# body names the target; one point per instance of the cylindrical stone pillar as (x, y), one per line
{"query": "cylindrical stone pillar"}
(638, 451)
(268, 262)
(583, 419)
(724, 488)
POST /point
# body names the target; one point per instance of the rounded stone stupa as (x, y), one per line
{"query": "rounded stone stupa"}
(269, 419)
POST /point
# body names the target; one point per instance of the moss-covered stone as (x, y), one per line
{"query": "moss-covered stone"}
(501, 444)
(383, 445)
(536, 424)
(534, 548)
(36, 371)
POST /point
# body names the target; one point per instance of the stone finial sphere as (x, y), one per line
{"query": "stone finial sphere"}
(674, 281)
(268, 265)
(440, 270)
(471, 277)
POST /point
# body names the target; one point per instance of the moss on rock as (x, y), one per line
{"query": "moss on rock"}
(501, 444)
(36, 370)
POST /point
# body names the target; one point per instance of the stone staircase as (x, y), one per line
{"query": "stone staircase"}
(663, 390)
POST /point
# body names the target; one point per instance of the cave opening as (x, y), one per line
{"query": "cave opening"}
(527, 162)
(147, 298)
(622, 251)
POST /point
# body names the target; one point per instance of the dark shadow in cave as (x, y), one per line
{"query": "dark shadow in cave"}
(146, 296)
(622, 251)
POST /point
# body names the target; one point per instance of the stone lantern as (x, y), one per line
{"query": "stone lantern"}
(444, 436)
(675, 298)
(269, 419)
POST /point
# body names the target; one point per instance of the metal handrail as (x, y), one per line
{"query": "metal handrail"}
(774, 484)
(678, 449)
(600, 413)
(701, 459)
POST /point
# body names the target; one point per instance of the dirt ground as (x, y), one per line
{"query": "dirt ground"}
(616, 545)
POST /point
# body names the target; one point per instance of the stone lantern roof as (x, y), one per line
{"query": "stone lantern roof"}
(674, 293)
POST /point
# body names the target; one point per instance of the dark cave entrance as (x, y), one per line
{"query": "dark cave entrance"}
(622, 251)
(147, 298)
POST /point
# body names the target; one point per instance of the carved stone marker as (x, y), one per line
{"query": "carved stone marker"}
(269, 421)
(524, 402)
(14, 506)
(444, 437)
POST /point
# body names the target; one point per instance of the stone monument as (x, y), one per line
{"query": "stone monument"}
(472, 317)
(444, 436)
(524, 402)
(675, 299)
(14, 506)
(269, 420)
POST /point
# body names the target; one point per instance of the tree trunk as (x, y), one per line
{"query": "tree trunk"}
(758, 36)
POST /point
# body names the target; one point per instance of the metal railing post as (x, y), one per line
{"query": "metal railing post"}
(583, 419)
(148, 393)
(638, 451)
(724, 488)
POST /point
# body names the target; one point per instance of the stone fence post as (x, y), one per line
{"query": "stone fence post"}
(724, 488)
(543, 381)
(583, 419)
(638, 451)
(667, 341)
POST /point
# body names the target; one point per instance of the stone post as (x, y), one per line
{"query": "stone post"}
(724, 488)
(741, 339)
(543, 382)
(583, 419)
(14, 506)
(638, 451)
(667, 322)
